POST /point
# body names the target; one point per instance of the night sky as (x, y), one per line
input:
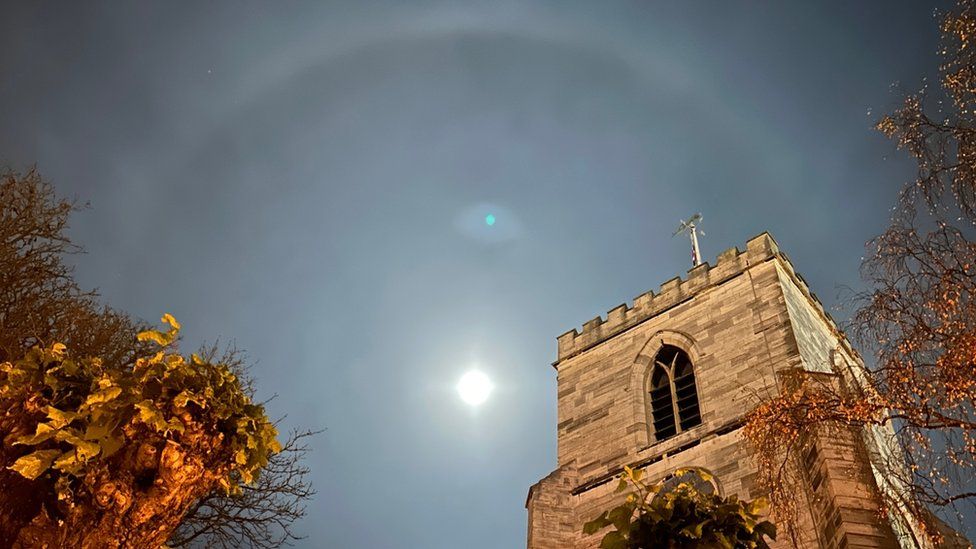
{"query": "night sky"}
(311, 180)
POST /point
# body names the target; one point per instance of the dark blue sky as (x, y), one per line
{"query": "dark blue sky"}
(308, 179)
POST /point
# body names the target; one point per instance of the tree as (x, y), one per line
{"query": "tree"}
(683, 515)
(917, 318)
(113, 457)
(262, 514)
(39, 298)
(40, 305)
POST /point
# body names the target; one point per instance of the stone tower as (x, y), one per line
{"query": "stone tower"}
(665, 383)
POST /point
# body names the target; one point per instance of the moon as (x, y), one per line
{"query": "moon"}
(474, 388)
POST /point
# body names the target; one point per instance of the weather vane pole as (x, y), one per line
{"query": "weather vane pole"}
(691, 227)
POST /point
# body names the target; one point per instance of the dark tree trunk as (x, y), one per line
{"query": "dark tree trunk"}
(137, 498)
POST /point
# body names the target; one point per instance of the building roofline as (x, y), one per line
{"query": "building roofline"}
(730, 264)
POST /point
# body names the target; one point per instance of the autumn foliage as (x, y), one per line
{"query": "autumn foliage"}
(110, 436)
(676, 512)
(115, 456)
(917, 397)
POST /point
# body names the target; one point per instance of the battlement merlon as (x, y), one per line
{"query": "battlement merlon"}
(730, 263)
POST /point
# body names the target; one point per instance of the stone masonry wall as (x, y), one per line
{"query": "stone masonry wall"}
(552, 511)
(735, 333)
(737, 324)
(843, 493)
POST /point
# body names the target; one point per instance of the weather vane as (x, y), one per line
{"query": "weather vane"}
(691, 227)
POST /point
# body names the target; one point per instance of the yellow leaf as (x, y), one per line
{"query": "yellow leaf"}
(84, 449)
(173, 361)
(34, 464)
(185, 397)
(58, 349)
(68, 463)
(158, 337)
(151, 416)
(110, 445)
(87, 450)
(98, 430)
(274, 446)
(104, 395)
(168, 319)
(60, 418)
(43, 432)
(247, 477)
(758, 506)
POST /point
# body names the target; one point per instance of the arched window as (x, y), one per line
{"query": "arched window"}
(674, 398)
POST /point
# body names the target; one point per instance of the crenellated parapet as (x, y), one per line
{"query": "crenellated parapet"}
(729, 264)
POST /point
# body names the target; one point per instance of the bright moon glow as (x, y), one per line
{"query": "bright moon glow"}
(474, 387)
(489, 220)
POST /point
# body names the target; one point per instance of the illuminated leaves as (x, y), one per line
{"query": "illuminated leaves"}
(153, 417)
(60, 418)
(163, 339)
(659, 515)
(168, 319)
(887, 126)
(44, 432)
(84, 449)
(156, 337)
(185, 397)
(68, 403)
(34, 464)
(105, 395)
(114, 408)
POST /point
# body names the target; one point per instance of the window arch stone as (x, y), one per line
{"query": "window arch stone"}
(681, 357)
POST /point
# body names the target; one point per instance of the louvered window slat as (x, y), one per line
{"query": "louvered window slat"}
(674, 390)
(662, 392)
(685, 381)
(666, 432)
(662, 402)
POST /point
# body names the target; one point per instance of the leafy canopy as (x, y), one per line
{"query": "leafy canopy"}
(91, 411)
(655, 515)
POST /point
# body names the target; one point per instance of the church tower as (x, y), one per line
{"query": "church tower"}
(665, 383)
